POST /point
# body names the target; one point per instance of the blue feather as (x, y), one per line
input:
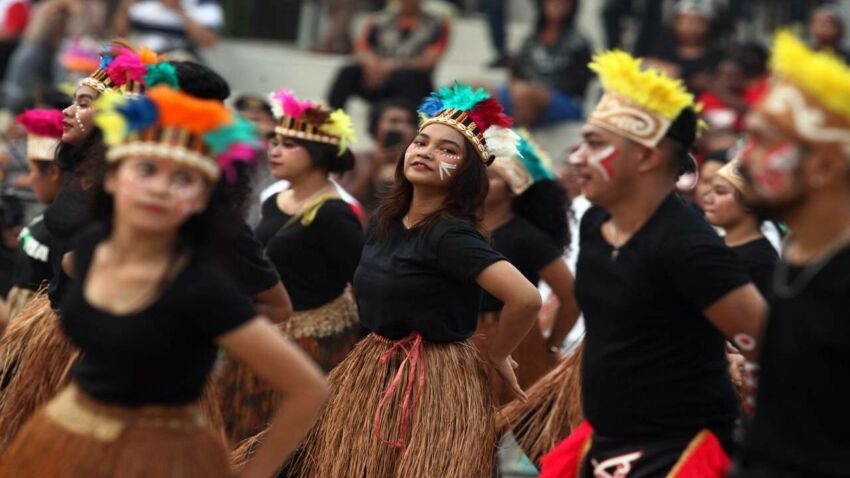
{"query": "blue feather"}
(140, 113)
(431, 106)
(105, 60)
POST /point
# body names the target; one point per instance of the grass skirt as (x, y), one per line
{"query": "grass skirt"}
(327, 334)
(552, 411)
(35, 358)
(75, 436)
(532, 355)
(17, 299)
(403, 408)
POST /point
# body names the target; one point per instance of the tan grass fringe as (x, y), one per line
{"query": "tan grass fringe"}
(39, 356)
(17, 299)
(77, 437)
(452, 430)
(552, 411)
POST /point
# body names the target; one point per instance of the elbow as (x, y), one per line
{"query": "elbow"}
(317, 393)
(530, 302)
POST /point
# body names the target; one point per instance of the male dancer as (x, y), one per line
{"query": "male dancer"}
(797, 165)
(659, 291)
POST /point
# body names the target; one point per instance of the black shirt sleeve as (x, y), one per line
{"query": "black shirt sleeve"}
(255, 273)
(702, 268)
(341, 234)
(223, 307)
(462, 253)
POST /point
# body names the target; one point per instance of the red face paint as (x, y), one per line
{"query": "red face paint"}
(602, 161)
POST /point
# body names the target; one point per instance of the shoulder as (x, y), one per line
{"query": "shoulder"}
(677, 216)
(334, 212)
(453, 226)
(593, 217)
(575, 40)
(208, 281)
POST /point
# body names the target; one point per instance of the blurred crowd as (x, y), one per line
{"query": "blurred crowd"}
(716, 47)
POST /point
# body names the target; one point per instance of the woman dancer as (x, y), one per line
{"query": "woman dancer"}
(314, 239)
(150, 307)
(423, 407)
(526, 212)
(724, 208)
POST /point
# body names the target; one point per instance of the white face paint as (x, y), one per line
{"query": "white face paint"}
(599, 160)
(446, 170)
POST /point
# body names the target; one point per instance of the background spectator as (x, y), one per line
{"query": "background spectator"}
(170, 26)
(259, 112)
(646, 13)
(337, 37)
(826, 30)
(550, 73)
(396, 56)
(14, 15)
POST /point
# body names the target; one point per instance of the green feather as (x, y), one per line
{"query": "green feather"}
(162, 73)
(530, 158)
(240, 131)
(461, 96)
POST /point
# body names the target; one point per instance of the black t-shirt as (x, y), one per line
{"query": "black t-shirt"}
(64, 218)
(759, 259)
(423, 280)
(32, 266)
(315, 262)
(802, 417)
(653, 364)
(526, 247)
(162, 354)
(252, 272)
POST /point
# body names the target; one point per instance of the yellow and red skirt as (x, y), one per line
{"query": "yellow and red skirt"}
(327, 334)
(400, 408)
(76, 436)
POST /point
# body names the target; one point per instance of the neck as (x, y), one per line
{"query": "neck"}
(496, 215)
(743, 232)
(131, 245)
(633, 210)
(818, 222)
(308, 185)
(424, 203)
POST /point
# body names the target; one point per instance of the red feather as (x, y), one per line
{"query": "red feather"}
(488, 113)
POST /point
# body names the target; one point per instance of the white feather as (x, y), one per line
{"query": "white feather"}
(277, 109)
(501, 142)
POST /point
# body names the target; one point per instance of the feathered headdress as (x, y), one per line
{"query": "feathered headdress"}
(306, 120)
(474, 114)
(168, 124)
(638, 103)
(44, 130)
(128, 71)
(530, 165)
(809, 98)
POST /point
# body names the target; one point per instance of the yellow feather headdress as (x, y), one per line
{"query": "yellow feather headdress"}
(639, 103)
(809, 97)
(306, 120)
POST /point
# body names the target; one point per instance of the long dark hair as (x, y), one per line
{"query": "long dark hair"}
(465, 198)
(544, 205)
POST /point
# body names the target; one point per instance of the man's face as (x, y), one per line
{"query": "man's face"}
(606, 164)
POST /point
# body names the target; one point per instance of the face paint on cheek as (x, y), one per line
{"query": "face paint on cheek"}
(601, 161)
(775, 172)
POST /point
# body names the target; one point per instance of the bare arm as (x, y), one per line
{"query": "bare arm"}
(557, 275)
(740, 316)
(265, 351)
(121, 19)
(274, 303)
(521, 304)
(199, 34)
(68, 264)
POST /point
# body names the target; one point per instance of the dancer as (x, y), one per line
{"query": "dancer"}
(422, 403)
(797, 169)
(151, 307)
(724, 208)
(526, 212)
(32, 267)
(659, 290)
(314, 240)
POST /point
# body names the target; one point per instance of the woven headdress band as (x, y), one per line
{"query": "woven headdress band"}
(129, 71)
(303, 119)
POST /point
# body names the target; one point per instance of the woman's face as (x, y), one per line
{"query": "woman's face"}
(722, 206)
(156, 195)
(288, 158)
(78, 120)
(434, 156)
(499, 192)
(557, 10)
(706, 179)
(691, 28)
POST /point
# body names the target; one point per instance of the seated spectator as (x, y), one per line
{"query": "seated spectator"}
(550, 73)
(688, 51)
(178, 27)
(826, 30)
(392, 127)
(396, 56)
(738, 82)
(13, 19)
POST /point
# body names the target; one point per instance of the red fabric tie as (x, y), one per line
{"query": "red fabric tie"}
(414, 354)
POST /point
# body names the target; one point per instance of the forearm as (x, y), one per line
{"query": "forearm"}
(565, 320)
(424, 62)
(274, 303)
(515, 321)
(199, 34)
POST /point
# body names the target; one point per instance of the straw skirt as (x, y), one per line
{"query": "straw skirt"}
(76, 436)
(400, 408)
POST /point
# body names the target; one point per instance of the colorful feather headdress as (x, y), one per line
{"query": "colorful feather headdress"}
(306, 120)
(475, 115)
(80, 57)
(522, 170)
(809, 97)
(168, 124)
(129, 71)
(638, 103)
(44, 130)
